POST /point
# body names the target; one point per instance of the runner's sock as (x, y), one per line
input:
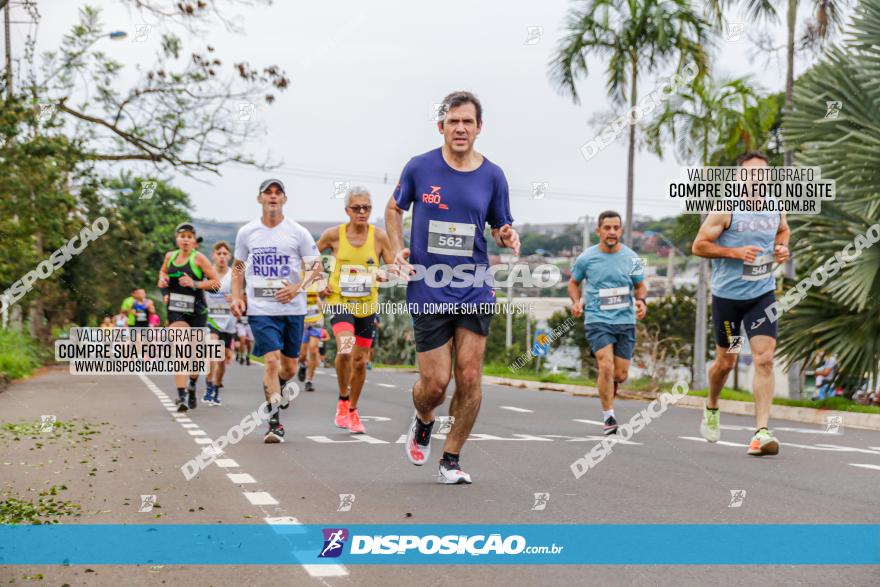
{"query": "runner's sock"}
(343, 399)
(449, 457)
(607, 413)
(350, 410)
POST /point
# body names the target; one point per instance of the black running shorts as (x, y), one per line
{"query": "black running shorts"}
(193, 320)
(728, 315)
(434, 330)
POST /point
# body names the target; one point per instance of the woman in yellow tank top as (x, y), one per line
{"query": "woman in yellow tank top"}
(358, 247)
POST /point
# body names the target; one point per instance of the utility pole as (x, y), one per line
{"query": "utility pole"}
(508, 339)
(528, 333)
(588, 225)
(670, 270)
(700, 381)
(8, 50)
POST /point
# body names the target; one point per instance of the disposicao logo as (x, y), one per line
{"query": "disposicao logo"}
(334, 541)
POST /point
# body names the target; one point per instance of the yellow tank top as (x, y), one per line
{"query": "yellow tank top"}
(353, 280)
(313, 310)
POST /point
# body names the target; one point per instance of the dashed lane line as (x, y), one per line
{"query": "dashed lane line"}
(260, 499)
(515, 409)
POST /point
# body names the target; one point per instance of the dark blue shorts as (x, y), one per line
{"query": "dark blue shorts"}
(622, 336)
(277, 333)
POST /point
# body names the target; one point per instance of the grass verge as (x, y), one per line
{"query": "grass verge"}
(20, 355)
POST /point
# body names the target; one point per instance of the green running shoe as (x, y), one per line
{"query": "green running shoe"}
(710, 427)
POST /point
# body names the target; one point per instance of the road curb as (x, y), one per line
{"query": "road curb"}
(792, 413)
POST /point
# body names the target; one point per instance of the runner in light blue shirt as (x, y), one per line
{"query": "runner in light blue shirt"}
(616, 293)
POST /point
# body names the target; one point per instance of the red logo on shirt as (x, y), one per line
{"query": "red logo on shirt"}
(434, 197)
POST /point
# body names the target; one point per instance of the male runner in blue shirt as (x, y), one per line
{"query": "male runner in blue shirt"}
(454, 191)
(616, 293)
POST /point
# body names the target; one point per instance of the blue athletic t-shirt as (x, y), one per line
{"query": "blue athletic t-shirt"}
(610, 280)
(450, 212)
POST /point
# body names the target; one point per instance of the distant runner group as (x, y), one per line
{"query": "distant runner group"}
(268, 296)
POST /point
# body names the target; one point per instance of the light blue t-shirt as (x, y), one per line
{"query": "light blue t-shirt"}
(734, 279)
(610, 280)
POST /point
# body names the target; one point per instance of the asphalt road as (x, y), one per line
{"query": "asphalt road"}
(524, 443)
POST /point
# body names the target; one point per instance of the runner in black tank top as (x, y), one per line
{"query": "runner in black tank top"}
(187, 273)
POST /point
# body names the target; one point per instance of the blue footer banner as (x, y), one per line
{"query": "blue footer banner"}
(353, 544)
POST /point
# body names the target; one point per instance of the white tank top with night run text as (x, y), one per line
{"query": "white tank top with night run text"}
(274, 256)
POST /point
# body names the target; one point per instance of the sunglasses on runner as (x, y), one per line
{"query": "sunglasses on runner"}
(360, 209)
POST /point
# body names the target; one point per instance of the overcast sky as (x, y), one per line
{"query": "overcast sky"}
(366, 74)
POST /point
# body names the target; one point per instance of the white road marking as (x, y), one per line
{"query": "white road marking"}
(376, 418)
(515, 409)
(721, 442)
(385, 385)
(313, 570)
(865, 466)
(782, 429)
(326, 570)
(260, 498)
(282, 520)
(597, 423)
(352, 438)
(257, 498)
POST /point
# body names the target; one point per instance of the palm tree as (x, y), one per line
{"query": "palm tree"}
(637, 37)
(843, 316)
(703, 119)
(827, 20)
(706, 115)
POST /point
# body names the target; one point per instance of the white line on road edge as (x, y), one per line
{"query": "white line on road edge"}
(257, 498)
(515, 409)
(865, 466)
(385, 385)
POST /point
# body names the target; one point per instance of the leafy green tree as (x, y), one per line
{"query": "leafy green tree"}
(496, 350)
(637, 37)
(396, 344)
(843, 315)
(827, 19)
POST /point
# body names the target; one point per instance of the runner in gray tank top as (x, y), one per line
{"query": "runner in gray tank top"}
(743, 248)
